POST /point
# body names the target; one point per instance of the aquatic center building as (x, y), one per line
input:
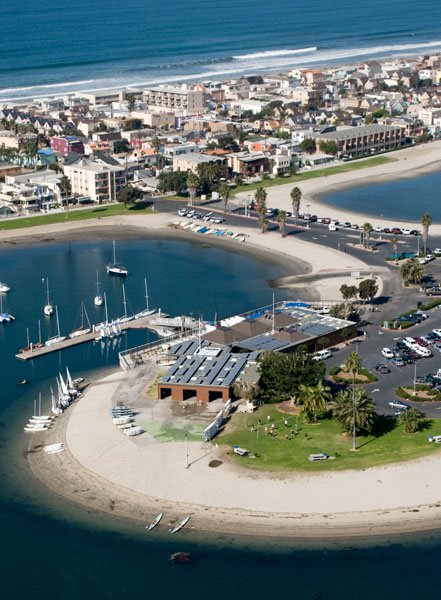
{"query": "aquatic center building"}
(208, 368)
(355, 142)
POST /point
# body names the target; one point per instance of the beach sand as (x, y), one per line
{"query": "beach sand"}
(136, 478)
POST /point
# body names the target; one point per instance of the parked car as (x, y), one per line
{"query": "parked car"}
(386, 230)
(421, 342)
(377, 229)
(397, 362)
(322, 355)
(405, 231)
(387, 353)
(332, 227)
(355, 226)
(415, 232)
(396, 231)
(398, 404)
(347, 224)
(326, 220)
(182, 212)
(437, 332)
(383, 369)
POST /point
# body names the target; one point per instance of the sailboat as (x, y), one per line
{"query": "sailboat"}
(56, 338)
(48, 308)
(56, 408)
(71, 388)
(125, 318)
(82, 329)
(98, 300)
(4, 316)
(148, 311)
(103, 328)
(63, 398)
(114, 268)
(4, 287)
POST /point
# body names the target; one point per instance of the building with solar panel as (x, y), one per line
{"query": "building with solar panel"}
(207, 368)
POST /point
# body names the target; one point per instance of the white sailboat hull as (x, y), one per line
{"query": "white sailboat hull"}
(48, 310)
(120, 271)
(79, 332)
(55, 340)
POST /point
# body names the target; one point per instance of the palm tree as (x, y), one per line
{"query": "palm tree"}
(224, 193)
(412, 271)
(411, 419)
(296, 196)
(156, 145)
(260, 199)
(313, 399)
(394, 242)
(353, 364)
(66, 189)
(367, 229)
(354, 411)
(281, 218)
(426, 222)
(192, 185)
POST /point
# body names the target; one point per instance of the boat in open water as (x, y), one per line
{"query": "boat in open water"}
(115, 268)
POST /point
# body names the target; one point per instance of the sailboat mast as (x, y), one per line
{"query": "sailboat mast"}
(105, 308)
(39, 331)
(58, 322)
(114, 253)
(146, 294)
(124, 301)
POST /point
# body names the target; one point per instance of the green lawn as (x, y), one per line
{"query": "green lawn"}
(74, 215)
(278, 454)
(347, 167)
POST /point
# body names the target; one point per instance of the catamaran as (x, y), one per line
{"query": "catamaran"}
(56, 338)
(180, 525)
(4, 287)
(98, 300)
(154, 522)
(82, 329)
(114, 268)
(48, 308)
(148, 311)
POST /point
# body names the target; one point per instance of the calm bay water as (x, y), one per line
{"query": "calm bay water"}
(54, 551)
(66, 46)
(405, 200)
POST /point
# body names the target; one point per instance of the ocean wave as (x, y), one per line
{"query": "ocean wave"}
(45, 86)
(272, 53)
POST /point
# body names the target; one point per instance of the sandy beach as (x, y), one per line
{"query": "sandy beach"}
(104, 470)
(407, 163)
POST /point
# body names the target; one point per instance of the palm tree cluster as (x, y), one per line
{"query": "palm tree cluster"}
(354, 410)
(313, 399)
(426, 222)
(411, 419)
(367, 230)
(412, 271)
(296, 196)
(192, 185)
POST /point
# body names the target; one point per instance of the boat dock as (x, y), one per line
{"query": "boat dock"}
(147, 322)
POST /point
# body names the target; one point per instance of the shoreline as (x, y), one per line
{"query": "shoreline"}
(73, 477)
(410, 163)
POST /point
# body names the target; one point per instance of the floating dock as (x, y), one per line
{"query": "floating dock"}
(148, 322)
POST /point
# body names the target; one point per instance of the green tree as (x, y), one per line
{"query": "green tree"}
(121, 146)
(296, 196)
(323, 342)
(246, 390)
(367, 289)
(353, 364)
(192, 186)
(411, 419)
(308, 145)
(129, 195)
(354, 411)
(313, 399)
(328, 147)
(412, 271)
(282, 374)
(130, 124)
(130, 101)
(260, 199)
(224, 193)
(66, 188)
(367, 229)
(426, 222)
(281, 219)
(173, 182)
(348, 292)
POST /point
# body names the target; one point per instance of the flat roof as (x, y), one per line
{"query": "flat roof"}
(352, 132)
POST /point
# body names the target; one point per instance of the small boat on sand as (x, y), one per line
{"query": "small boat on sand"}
(155, 522)
(180, 525)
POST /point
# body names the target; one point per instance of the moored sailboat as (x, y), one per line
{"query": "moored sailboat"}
(48, 308)
(83, 328)
(114, 268)
(147, 311)
(98, 300)
(56, 338)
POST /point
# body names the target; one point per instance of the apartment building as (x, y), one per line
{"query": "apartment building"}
(101, 182)
(176, 98)
(354, 142)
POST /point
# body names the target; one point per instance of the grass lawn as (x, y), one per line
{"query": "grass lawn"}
(278, 454)
(75, 214)
(347, 167)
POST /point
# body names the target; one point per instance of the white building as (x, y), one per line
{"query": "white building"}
(100, 181)
(183, 97)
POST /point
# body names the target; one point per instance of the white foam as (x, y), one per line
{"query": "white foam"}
(271, 53)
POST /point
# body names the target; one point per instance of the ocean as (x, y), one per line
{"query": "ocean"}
(58, 46)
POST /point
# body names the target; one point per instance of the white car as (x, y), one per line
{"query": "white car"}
(437, 332)
(377, 229)
(323, 310)
(398, 404)
(182, 212)
(387, 353)
(322, 355)
(405, 231)
(332, 227)
(437, 251)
